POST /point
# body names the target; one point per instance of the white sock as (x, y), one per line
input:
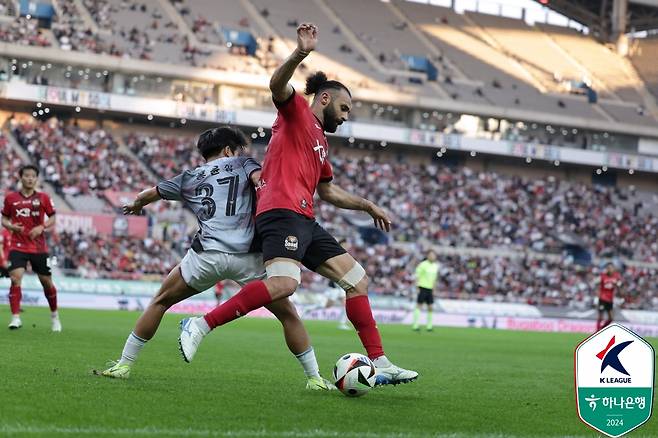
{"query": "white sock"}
(382, 362)
(134, 345)
(202, 325)
(309, 363)
(54, 315)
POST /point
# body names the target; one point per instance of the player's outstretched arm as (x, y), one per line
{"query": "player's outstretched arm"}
(333, 194)
(143, 199)
(307, 38)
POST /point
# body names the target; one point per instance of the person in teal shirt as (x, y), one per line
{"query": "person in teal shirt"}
(427, 273)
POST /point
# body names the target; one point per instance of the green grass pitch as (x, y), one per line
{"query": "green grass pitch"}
(244, 382)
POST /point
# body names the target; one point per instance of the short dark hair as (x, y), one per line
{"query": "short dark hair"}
(318, 82)
(212, 141)
(28, 167)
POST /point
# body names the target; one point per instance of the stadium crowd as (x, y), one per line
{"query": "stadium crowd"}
(165, 155)
(23, 31)
(116, 257)
(78, 161)
(457, 206)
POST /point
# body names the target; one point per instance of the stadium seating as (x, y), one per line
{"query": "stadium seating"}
(204, 17)
(644, 58)
(115, 257)
(10, 162)
(462, 207)
(165, 155)
(8, 7)
(603, 63)
(24, 32)
(78, 161)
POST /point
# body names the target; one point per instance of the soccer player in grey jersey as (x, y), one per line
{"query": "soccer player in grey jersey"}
(221, 195)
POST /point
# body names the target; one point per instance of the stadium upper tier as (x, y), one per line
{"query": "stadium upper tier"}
(398, 45)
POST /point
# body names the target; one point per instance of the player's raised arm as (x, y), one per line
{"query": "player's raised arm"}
(307, 38)
(340, 198)
(143, 199)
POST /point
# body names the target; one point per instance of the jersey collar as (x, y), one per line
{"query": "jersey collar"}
(321, 124)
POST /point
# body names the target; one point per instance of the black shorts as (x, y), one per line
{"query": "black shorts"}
(425, 296)
(39, 262)
(284, 233)
(605, 305)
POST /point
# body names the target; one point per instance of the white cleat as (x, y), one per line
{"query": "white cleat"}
(190, 338)
(57, 326)
(15, 322)
(394, 375)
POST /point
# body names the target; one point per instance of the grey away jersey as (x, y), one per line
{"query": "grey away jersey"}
(222, 197)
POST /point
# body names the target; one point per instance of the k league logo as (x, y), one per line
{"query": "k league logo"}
(614, 376)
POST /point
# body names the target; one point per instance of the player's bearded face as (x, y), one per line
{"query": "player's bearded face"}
(331, 119)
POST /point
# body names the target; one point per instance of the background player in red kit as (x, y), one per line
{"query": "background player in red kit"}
(24, 215)
(296, 165)
(609, 282)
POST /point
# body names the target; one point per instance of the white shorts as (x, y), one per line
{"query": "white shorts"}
(202, 271)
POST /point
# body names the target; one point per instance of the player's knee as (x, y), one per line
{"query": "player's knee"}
(165, 298)
(280, 287)
(355, 281)
(282, 278)
(15, 279)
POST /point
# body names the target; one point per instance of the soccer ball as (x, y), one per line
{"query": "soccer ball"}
(354, 374)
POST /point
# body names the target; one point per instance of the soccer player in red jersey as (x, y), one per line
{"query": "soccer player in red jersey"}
(24, 215)
(296, 165)
(609, 281)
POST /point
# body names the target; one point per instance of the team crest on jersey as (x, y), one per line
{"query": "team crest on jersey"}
(303, 204)
(36, 203)
(291, 243)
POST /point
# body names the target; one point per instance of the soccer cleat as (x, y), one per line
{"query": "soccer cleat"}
(189, 339)
(394, 375)
(319, 384)
(57, 326)
(15, 322)
(117, 371)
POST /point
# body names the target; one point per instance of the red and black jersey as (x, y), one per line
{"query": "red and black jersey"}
(608, 285)
(296, 160)
(30, 212)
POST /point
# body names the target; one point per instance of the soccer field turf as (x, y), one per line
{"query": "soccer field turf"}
(244, 382)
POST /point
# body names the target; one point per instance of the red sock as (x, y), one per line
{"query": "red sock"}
(598, 324)
(359, 313)
(15, 296)
(51, 296)
(251, 297)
